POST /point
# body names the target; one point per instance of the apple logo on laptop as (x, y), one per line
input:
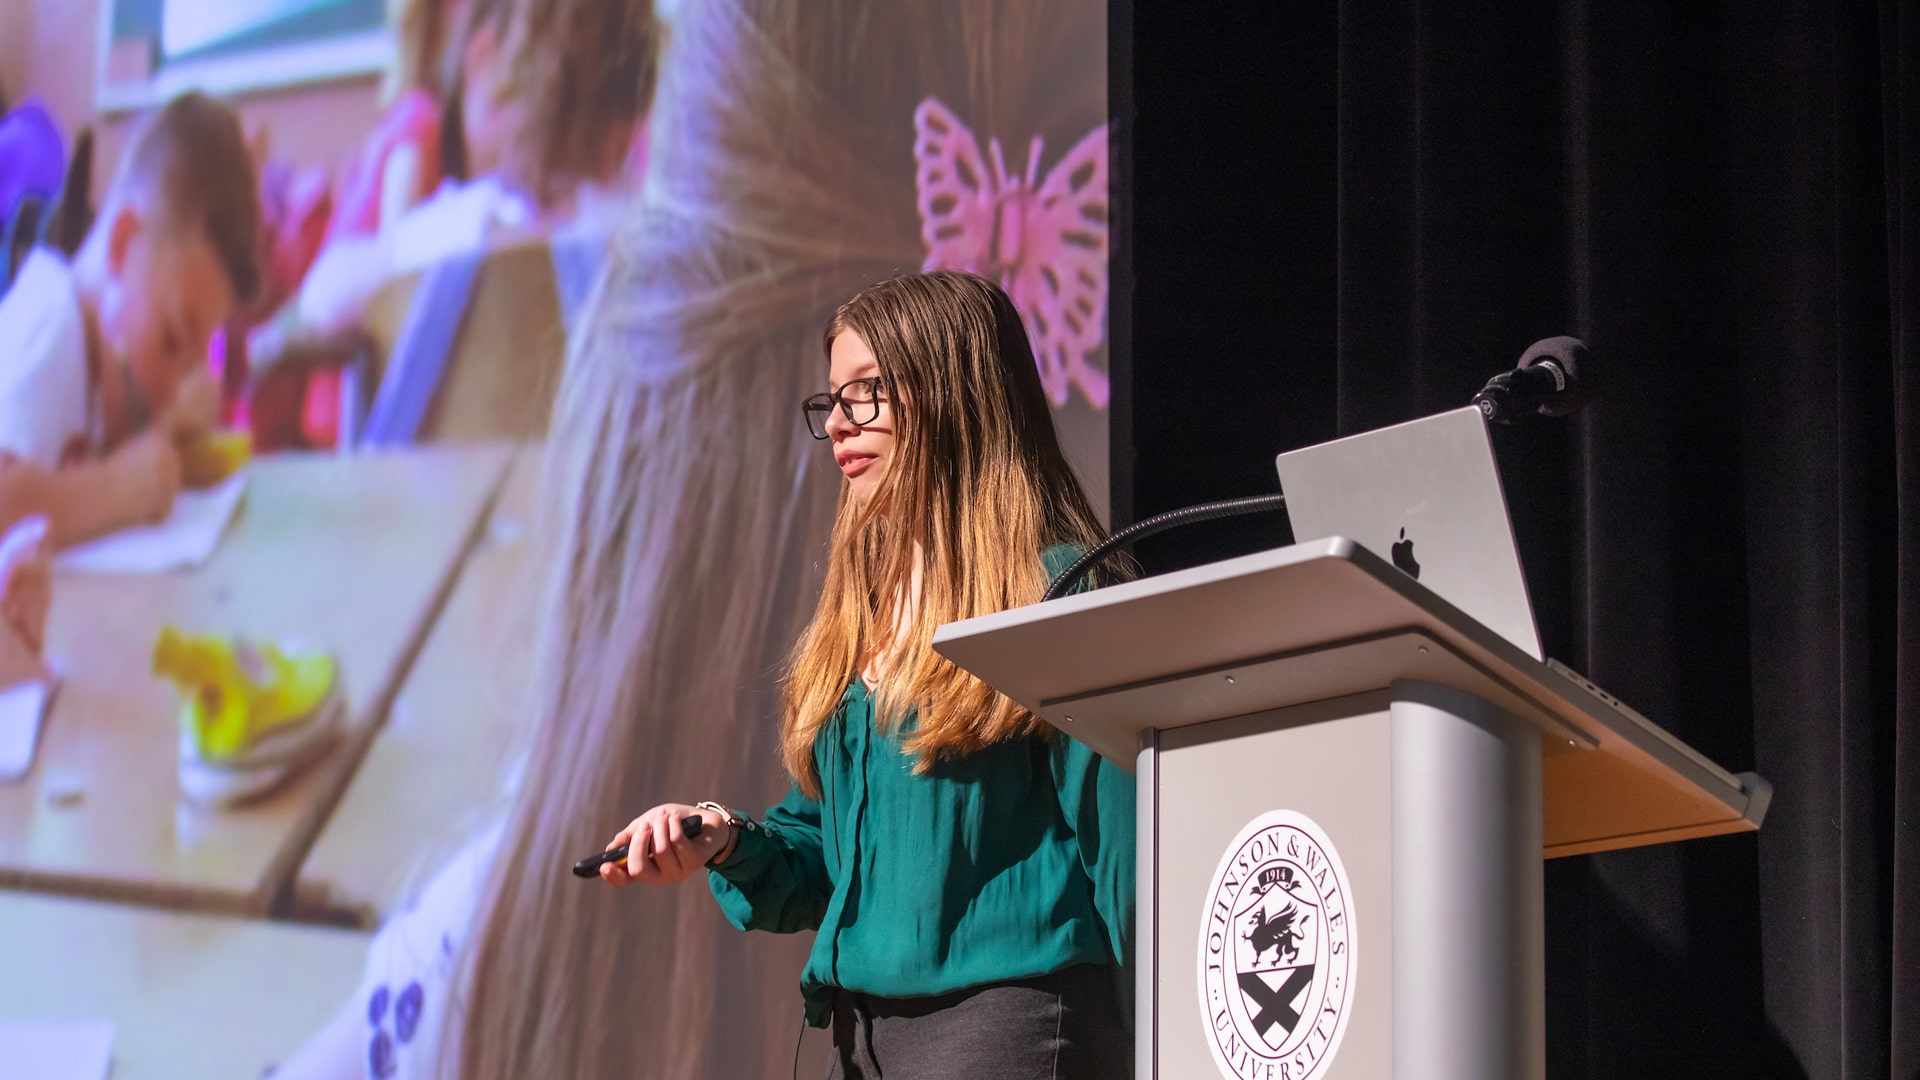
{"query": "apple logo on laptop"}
(1403, 555)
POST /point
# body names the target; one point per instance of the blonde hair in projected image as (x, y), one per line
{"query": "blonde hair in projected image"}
(688, 509)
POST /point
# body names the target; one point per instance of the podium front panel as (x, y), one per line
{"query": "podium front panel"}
(1344, 890)
(1329, 763)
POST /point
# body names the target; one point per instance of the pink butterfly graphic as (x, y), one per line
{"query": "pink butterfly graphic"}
(1046, 243)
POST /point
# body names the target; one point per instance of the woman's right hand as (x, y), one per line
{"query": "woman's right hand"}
(674, 855)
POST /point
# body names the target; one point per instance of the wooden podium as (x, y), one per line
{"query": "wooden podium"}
(1346, 787)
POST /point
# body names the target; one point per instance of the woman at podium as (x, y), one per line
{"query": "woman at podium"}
(968, 871)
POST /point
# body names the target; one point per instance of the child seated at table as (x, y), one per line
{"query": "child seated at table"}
(549, 97)
(103, 360)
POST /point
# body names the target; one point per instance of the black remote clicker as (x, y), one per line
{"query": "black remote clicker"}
(590, 867)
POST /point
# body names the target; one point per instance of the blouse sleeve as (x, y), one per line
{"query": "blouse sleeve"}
(1097, 800)
(776, 878)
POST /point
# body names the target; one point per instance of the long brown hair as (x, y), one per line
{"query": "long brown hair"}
(680, 558)
(977, 488)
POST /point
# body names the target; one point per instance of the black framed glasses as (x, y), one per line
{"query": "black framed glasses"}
(859, 399)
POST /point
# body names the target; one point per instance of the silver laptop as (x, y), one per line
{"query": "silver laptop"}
(1426, 495)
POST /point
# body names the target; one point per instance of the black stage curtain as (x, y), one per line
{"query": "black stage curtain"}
(1339, 214)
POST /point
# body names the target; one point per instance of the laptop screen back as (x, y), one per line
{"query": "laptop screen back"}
(1425, 495)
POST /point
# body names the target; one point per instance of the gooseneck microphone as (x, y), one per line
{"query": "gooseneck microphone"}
(1554, 378)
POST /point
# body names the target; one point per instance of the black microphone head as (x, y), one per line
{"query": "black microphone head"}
(1570, 364)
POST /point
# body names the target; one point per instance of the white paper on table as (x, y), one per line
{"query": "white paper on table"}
(186, 539)
(21, 708)
(81, 1050)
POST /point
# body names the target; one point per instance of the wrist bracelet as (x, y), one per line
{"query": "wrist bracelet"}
(736, 822)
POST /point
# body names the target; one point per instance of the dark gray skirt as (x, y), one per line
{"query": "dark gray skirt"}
(1063, 1026)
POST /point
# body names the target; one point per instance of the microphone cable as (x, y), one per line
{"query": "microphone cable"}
(1172, 519)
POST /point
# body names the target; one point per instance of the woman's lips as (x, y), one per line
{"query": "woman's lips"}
(854, 464)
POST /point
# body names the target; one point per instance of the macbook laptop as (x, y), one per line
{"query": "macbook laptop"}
(1425, 495)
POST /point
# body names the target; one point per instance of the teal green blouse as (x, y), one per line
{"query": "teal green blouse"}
(1008, 863)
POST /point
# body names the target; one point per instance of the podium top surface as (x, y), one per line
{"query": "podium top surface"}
(1327, 619)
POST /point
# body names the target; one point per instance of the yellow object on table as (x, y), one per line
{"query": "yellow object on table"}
(254, 714)
(212, 457)
(235, 690)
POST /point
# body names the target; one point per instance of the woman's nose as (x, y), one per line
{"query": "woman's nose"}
(838, 426)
